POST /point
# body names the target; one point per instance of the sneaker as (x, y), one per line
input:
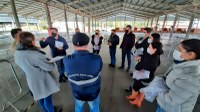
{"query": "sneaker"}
(110, 65)
(64, 78)
(121, 67)
(131, 74)
(113, 66)
(60, 80)
(127, 70)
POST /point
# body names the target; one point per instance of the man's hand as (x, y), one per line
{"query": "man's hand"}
(43, 39)
(110, 44)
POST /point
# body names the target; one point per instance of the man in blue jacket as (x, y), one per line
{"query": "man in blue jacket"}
(58, 46)
(113, 42)
(83, 70)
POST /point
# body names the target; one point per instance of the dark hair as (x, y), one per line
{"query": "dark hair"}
(192, 45)
(97, 30)
(148, 29)
(156, 37)
(129, 26)
(54, 29)
(113, 30)
(26, 39)
(158, 46)
(15, 31)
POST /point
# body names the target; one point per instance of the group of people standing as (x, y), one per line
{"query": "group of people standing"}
(83, 69)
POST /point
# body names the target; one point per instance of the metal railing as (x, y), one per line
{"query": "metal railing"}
(10, 87)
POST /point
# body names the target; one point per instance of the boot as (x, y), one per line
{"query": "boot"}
(138, 100)
(133, 95)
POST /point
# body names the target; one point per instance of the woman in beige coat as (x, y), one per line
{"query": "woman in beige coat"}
(183, 80)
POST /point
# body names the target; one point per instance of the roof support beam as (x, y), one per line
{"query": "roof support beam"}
(128, 9)
(14, 11)
(173, 27)
(66, 22)
(60, 6)
(96, 5)
(48, 16)
(190, 25)
(116, 13)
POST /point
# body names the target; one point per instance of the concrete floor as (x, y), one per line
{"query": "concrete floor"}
(114, 82)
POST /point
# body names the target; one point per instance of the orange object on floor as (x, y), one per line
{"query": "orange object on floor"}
(133, 95)
(138, 100)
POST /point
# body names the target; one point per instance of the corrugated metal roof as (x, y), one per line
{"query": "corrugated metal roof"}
(101, 9)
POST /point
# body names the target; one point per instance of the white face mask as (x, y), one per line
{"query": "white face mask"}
(177, 55)
(149, 41)
(149, 51)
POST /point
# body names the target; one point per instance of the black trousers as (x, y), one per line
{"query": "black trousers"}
(137, 84)
(96, 51)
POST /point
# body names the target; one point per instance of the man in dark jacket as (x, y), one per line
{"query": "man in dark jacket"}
(58, 46)
(126, 46)
(113, 42)
(83, 70)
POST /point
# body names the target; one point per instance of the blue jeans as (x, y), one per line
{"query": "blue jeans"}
(124, 53)
(112, 55)
(46, 104)
(159, 109)
(61, 69)
(94, 105)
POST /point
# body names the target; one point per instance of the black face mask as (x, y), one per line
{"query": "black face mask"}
(97, 33)
(53, 34)
(126, 31)
(112, 34)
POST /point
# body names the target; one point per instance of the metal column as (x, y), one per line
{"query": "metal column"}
(101, 25)
(48, 16)
(134, 22)
(92, 24)
(147, 23)
(38, 25)
(125, 21)
(76, 21)
(83, 24)
(106, 24)
(165, 19)
(115, 23)
(151, 22)
(173, 27)
(156, 28)
(14, 11)
(27, 24)
(190, 25)
(95, 24)
(89, 25)
(66, 21)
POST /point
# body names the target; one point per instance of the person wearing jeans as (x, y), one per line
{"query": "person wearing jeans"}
(38, 71)
(46, 104)
(61, 70)
(85, 80)
(159, 109)
(94, 105)
(113, 42)
(58, 46)
(126, 46)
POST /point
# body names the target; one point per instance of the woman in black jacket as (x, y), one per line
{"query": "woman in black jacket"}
(96, 42)
(149, 62)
